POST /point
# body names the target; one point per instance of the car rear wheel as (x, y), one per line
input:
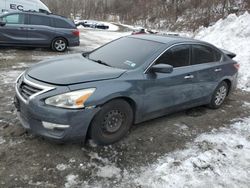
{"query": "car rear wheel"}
(219, 95)
(112, 122)
(59, 44)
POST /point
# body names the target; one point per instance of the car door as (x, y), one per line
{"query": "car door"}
(206, 62)
(15, 30)
(165, 92)
(40, 31)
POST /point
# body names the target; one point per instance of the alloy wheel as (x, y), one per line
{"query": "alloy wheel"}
(220, 95)
(60, 45)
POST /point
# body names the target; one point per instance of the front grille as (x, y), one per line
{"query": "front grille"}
(27, 90)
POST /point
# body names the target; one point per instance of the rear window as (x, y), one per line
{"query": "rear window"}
(39, 20)
(60, 23)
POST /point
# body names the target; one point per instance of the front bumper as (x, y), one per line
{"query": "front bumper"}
(72, 124)
(51, 122)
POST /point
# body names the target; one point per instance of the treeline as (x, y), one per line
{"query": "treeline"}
(171, 14)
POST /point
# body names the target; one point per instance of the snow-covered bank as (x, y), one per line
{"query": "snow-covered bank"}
(217, 159)
(233, 34)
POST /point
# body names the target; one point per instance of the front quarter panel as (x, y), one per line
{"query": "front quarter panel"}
(128, 86)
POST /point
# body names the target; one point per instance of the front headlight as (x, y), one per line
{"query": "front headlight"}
(72, 100)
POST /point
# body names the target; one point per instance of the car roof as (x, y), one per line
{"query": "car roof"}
(166, 39)
(35, 13)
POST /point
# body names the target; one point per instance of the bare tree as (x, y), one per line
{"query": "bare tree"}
(175, 14)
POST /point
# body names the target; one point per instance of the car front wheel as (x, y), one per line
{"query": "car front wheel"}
(219, 95)
(59, 44)
(112, 122)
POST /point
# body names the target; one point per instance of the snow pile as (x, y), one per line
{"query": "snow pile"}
(232, 34)
(217, 159)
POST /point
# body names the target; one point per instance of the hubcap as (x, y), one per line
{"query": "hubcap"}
(60, 45)
(113, 121)
(220, 95)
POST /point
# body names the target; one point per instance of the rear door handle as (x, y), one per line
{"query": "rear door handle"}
(31, 28)
(217, 70)
(189, 77)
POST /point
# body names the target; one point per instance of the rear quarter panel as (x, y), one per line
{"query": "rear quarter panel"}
(67, 34)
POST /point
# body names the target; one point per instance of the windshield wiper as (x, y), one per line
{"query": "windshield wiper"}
(100, 62)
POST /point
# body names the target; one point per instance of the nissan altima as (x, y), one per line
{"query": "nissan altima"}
(100, 94)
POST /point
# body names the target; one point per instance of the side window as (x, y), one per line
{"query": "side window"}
(14, 19)
(59, 23)
(177, 56)
(39, 20)
(204, 54)
(217, 55)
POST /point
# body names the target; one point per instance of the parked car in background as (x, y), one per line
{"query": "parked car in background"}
(143, 31)
(38, 30)
(22, 5)
(128, 81)
(91, 24)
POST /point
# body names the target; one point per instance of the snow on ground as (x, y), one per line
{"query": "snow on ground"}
(112, 27)
(20, 65)
(108, 171)
(233, 34)
(131, 26)
(9, 77)
(72, 181)
(246, 105)
(61, 167)
(1, 140)
(93, 39)
(7, 56)
(217, 159)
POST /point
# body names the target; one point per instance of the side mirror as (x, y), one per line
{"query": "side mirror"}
(2, 23)
(162, 68)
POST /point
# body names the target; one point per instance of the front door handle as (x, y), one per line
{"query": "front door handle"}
(189, 77)
(217, 70)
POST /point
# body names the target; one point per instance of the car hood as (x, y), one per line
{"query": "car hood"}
(72, 69)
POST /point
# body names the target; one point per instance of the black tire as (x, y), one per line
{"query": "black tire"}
(112, 122)
(219, 95)
(59, 44)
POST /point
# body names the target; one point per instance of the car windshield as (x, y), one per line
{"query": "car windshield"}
(125, 53)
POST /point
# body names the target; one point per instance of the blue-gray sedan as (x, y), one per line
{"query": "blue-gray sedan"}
(100, 94)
